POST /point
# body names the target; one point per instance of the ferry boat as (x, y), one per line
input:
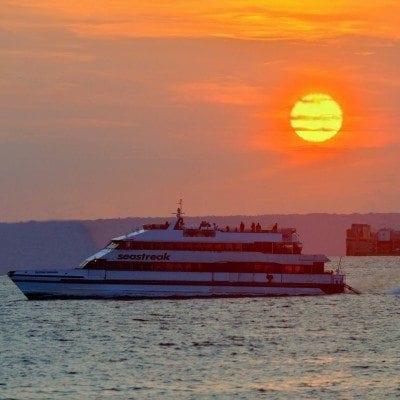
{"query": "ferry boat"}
(171, 260)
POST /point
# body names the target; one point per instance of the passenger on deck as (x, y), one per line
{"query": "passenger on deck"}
(241, 226)
(258, 227)
(275, 227)
(227, 228)
(253, 227)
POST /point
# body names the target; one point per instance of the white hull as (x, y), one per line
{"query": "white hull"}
(80, 283)
(59, 290)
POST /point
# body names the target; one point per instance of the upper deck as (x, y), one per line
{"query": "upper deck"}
(168, 233)
(210, 237)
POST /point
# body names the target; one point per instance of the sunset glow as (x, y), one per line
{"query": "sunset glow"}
(241, 102)
(316, 117)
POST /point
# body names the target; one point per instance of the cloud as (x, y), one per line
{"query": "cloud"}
(321, 117)
(234, 19)
(183, 97)
(300, 129)
(234, 93)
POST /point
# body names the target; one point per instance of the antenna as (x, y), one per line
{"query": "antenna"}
(179, 211)
(179, 220)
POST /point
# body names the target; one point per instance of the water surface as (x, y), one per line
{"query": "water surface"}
(328, 347)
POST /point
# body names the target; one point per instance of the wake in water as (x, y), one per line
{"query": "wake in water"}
(371, 275)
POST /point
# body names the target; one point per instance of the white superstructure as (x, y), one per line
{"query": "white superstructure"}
(172, 261)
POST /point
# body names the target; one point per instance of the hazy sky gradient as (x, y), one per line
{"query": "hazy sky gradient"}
(112, 109)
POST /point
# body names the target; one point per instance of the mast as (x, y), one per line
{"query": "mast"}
(179, 216)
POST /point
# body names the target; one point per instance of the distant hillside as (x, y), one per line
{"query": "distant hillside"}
(64, 244)
(43, 245)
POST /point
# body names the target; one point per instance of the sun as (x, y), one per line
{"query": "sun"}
(316, 117)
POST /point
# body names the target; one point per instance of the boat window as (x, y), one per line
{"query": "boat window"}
(297, 269)
(203, 267)
(287, 269)
(264, 247)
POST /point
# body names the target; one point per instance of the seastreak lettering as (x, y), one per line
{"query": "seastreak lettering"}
(144, 257)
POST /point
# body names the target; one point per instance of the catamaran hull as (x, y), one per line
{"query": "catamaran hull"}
(36, 286)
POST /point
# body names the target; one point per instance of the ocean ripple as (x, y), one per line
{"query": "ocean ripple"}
(329, 347)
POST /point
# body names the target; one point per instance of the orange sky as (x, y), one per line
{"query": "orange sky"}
(107, 108)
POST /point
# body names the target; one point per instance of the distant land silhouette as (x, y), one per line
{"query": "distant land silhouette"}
(64, 244)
